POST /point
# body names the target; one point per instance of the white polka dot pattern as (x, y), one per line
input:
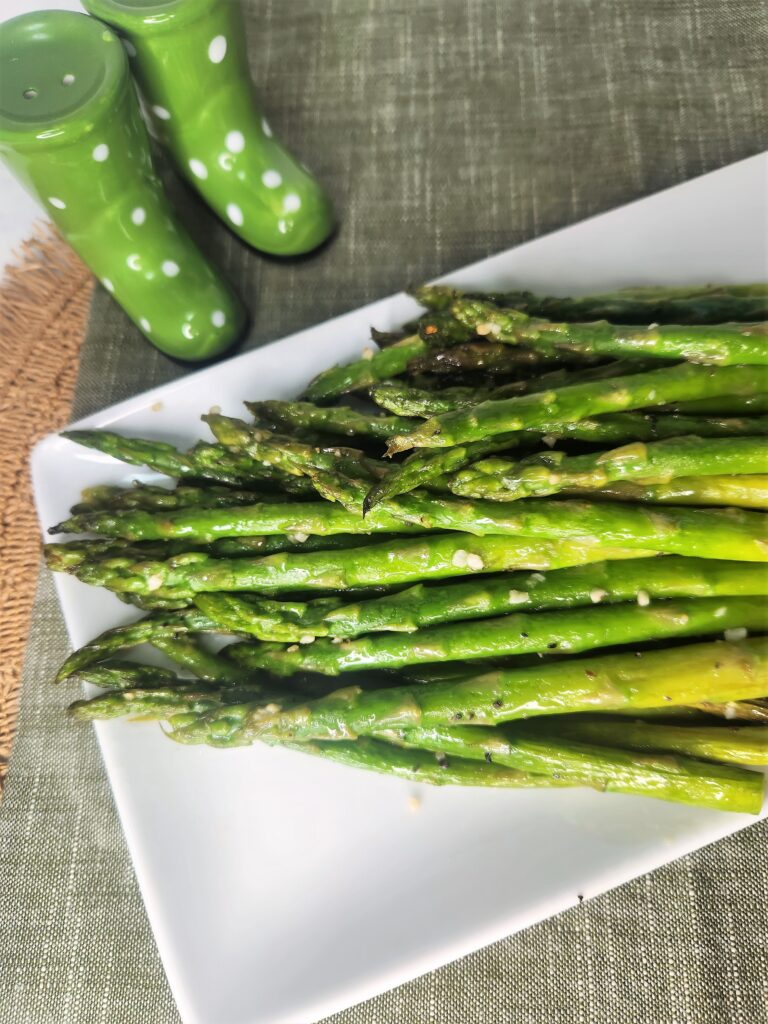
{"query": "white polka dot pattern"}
(217, 49)
(198, 168)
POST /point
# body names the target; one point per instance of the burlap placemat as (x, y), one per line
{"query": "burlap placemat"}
(44, 300)
(447, 131)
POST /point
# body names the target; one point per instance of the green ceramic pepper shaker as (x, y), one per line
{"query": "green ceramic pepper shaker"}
(189, 60)
(72, 132)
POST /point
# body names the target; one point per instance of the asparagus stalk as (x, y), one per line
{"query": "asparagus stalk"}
(428, 557)
(305, 416)
(596, 762)
(288, 455)
(412, 401)
(568, 631)
(716, 671)
(64, 557)
(373, 755)
(372, 368)
(734, 491)
(407, 401)
(657, 462)
(741, 710)
(120, 638)
(489, 357)
(203, 462)
(710, 304)
(187, 652)
(725, 405)
(731, 534)
(579, 401)
(128, 675)
(725, 344)
(426, 467)
(745, 745)
(157, 703)
(152, 497)
(429, 605)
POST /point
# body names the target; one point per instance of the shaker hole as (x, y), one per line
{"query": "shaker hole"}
(30, 94)
(67, 79)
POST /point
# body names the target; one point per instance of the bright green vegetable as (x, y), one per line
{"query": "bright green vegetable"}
(657, 462)
(568, 631)
(716, 671)
(203, 462)
(568, 754)
(432, 604)
(579, 401)
(428, 557)
(735, 491)
(725, 344)
(746, 745)
(697, 304)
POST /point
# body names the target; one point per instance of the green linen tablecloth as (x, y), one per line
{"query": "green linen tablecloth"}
(446, 130)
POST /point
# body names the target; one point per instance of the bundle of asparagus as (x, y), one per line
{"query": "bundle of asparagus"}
(563, 584)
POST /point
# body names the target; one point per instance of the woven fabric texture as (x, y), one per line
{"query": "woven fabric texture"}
(44, 303)
(446, 131)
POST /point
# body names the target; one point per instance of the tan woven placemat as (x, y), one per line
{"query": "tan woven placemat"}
(44, 302)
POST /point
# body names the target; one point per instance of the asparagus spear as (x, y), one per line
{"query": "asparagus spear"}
(203, 462)
(405, 400)
(725, 344)
(572, 630)
(747, 745)
(186, 651)
(206, 525)
(629, 426)
(372, 755)
(377, 565)
(128, 675)
(491, 358)
(120, 638)
(428, 605)
(288, 455)
(717, 671)
(155, 703)
(579, 401)
(709, 304)
(571, 755)
(373, 367)
(328, 419)
(741, 710)
(732, 534)
(151, 497)
(413, 401)
(63, 557)
(657, 462)
(725, 405)
(734, 491)
(426, 467)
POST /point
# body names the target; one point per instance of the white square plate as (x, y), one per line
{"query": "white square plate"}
(281, 889)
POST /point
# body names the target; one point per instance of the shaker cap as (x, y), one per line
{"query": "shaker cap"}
(62, 72)
(139, 17)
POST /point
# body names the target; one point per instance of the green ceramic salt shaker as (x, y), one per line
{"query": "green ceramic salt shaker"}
(72, 132)
(190, 63)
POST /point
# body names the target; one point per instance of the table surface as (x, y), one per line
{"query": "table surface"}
(446, 132)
